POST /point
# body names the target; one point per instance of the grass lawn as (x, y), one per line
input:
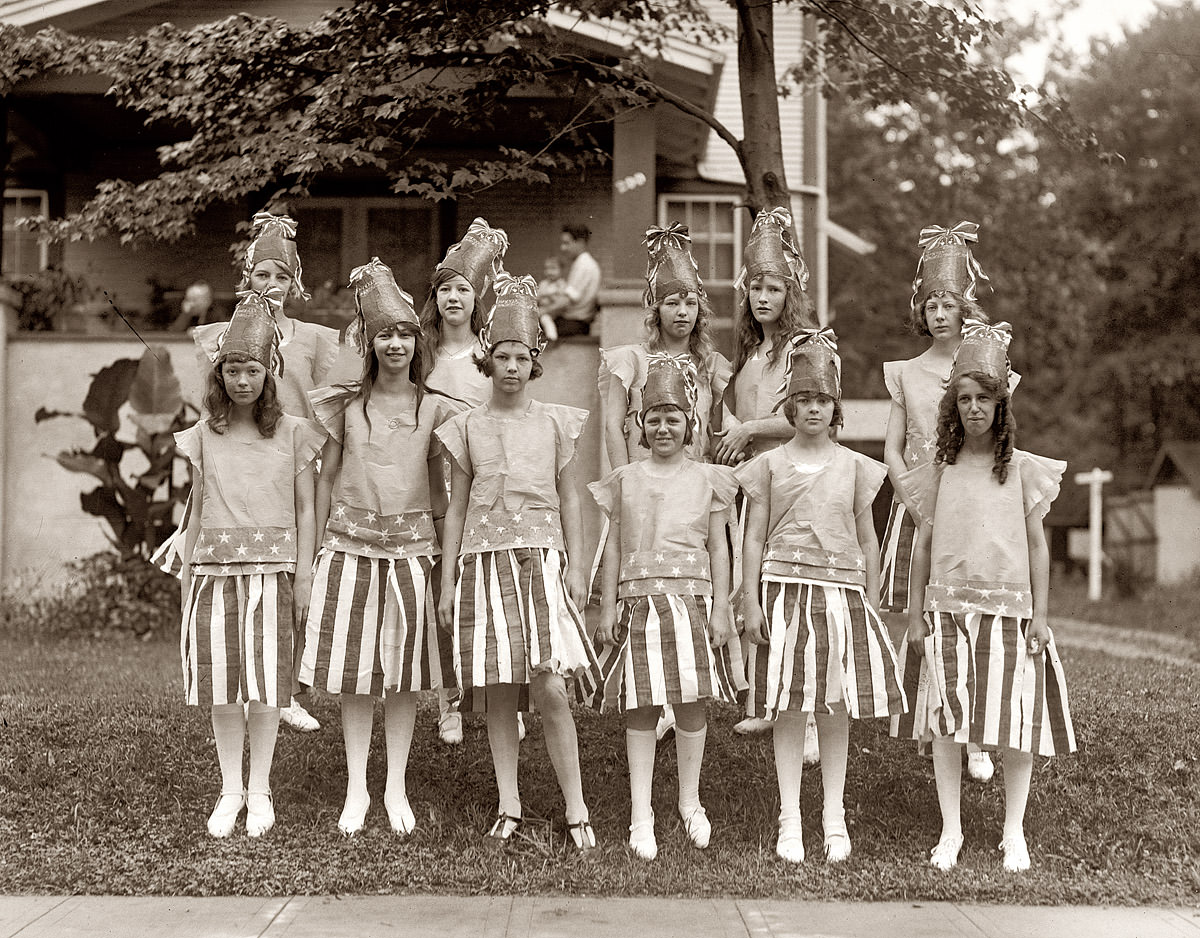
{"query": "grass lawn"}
(1171, 610)
(107, 780)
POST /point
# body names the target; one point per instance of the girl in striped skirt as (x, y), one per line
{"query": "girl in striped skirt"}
(513, 522)
(811, 577)
(667, 560)
(944, 294)
(977, 601)
(451, 319)
(371, 631)
(247, 553)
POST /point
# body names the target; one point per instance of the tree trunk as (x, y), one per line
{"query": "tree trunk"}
(762, 146)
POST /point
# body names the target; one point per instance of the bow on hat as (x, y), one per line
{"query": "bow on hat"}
(996, 331)
(521, 317)
(959, 238)
(272, 298)
(275, 228)
(825, 336)
(781, 219)
(691, 379)
(961, 233)
(358, 333)
(663, 245)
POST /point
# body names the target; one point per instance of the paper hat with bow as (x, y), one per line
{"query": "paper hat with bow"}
(478, 256)
(983, 349)
(670, 379)
(670, 267)
(515, 316)
(947, 264)
(814, 366)
(253, 331)
(274, 239)
(771, 250)
(381, 304)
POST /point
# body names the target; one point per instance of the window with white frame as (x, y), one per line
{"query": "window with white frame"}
(715, 224)
(24, 253)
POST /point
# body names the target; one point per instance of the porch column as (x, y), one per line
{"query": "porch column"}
(633, 195)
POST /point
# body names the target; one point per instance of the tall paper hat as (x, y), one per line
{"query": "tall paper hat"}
(984, 348)
(814, 366)
(771, 250)
(274, 239)
(515, 316)
(381, 304)
(670, 379)
(947, 264)
(253, 331)
(670, 267)
(478, 256)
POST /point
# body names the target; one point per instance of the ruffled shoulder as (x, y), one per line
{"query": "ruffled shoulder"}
(441, 408)
(329, 407)
(919, 489)
(626, 363)
(891, 378)
(568, 427)
(1013, 380)
(724, 484)
(326, 348)
(720, 371)
(206, 338)
(307, 441)
(868, 477)
(189, 443)
(607, 491)
(754, 476)
(1041, 478)
(453, 436)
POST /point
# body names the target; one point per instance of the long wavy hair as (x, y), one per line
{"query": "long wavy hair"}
(700, 343)
(798, 312)
(431, 319)
(419, 367)
(951, 433)
(219, 404)
(969, 309)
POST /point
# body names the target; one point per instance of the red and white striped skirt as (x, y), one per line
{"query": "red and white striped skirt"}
(662, 655)
(984, 687)
(371, 626)
(827, 652)
(513, 618)
(895, 558)
(236, 639)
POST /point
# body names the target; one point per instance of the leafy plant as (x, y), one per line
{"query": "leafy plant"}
(46, 294)
(137, 508)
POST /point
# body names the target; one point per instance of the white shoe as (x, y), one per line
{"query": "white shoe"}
(979, 766)
(812, 746)
(260, 813)
(666, 723)
(401, 818)
(837, 840)
(945, 855)
(351, 822)
(641, 839)
(520, 726)
(298, 718)
(790, 843)
(225, 813)
(1016, 854)
(450, 727)
(752, 725)
(698, 827)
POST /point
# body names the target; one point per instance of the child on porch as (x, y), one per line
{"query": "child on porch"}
(667, 559)
(514, 523)
(371, 629)
(811, 578)
(247, 552)
(978, 593)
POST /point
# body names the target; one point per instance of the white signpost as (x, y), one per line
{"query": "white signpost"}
(1095, 481)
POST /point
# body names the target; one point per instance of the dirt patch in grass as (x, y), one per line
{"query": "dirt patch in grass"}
(107, 780)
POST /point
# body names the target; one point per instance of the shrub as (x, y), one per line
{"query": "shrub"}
(105, 594)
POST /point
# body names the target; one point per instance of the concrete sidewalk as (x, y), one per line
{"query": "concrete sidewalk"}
(569, 917)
